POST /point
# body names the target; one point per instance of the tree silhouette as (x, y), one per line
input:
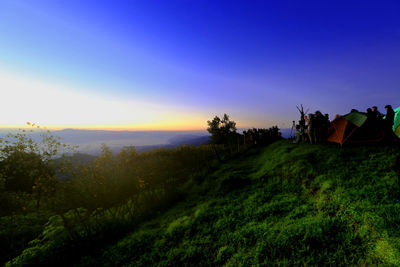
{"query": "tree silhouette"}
(27, 165)
(222, 131)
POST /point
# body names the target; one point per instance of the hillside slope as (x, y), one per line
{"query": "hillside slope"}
(285, 204)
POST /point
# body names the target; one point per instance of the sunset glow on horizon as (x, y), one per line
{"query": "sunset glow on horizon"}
(59, 107)
(77, 109)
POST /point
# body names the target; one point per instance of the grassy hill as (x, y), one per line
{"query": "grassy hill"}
(285, 204)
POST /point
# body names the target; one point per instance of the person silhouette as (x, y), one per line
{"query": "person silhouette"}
(388, 123)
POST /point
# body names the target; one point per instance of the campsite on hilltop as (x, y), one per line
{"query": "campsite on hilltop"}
(199, 133)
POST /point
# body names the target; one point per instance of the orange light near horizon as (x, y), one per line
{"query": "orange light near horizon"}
(167, 126)
(55, 106)
(111, 127)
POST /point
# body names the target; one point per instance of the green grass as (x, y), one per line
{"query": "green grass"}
(285, 204)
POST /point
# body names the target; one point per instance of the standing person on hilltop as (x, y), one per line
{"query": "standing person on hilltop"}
(376, 112)
(371, 123)
(317, 126)
(370, 114)
(311, 128)
(388, 123)
(389, 118)
(325, 127)
(305, 128)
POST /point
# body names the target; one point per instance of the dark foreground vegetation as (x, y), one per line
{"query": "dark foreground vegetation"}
(95, 202)
(282, 204)
(56, 208)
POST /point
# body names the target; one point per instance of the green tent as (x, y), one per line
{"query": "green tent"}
(396, 125)
(357, 118)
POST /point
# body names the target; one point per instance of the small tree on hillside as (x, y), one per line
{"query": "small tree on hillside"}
(28, 166)
(221, 130)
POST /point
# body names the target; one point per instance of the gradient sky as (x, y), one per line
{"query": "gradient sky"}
(175, 64)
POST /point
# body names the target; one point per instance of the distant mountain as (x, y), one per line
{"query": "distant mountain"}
(189, 139)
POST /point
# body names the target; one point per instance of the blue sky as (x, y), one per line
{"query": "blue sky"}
(175, 64)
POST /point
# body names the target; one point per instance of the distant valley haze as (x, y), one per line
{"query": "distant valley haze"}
(90, 141)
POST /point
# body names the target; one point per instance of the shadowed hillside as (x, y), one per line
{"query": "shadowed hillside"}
(281, 205)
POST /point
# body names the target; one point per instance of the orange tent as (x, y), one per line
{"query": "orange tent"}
(355, 128)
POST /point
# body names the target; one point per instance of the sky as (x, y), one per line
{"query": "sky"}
(173, 65)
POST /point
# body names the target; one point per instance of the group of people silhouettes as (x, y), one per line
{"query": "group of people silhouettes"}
(313, 128)
(385, 121)
(374, 115)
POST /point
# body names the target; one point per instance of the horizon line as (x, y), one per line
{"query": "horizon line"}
(9, 127)
(119, 129)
